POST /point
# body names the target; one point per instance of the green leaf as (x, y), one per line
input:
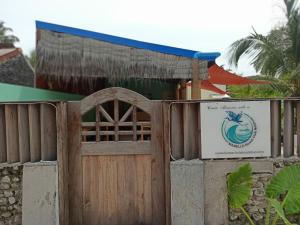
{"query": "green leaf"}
(283, 181)
(287, 181)
(292, 200)
(279, 210)
(239, 184)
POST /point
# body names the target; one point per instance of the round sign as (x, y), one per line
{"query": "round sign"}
(238, 129)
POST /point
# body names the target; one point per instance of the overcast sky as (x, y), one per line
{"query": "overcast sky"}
(202, 25)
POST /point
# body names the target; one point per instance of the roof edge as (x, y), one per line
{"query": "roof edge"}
(209, 56)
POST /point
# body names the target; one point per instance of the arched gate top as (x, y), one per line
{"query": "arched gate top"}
(110, 94)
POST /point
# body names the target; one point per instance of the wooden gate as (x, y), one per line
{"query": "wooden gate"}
(116, 160)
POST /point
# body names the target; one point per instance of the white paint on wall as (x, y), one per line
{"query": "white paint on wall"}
(40, 201)
(187, 192)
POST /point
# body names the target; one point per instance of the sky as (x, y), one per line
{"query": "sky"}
(207, 26)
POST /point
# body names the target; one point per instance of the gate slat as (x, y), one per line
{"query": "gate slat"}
(23, 125)
(288, 134)
(276, 128)
(48, 132)
(190, 131)
(12, 137)
(177, 131)
(34, 132)
(3, 157)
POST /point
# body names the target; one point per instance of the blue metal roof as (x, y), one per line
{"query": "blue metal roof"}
(209, 56)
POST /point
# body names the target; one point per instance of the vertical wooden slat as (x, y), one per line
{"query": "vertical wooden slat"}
(23, 126)
(288, 134)
(3, 157)
(134, 119)
(12, 137)
(116, 118)
(97, 124)
(48, 132)
(177, 131)
(34, 132)
(190, 131)
(62, 162)
(298, 128)
(276, 128)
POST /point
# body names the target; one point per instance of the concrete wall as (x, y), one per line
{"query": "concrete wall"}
(187, 192)
(40, 202)
(199, 191)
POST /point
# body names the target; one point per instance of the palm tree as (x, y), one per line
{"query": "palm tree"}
(5, 38)
(276, 54)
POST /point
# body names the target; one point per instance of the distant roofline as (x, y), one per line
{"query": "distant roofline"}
(209, 56)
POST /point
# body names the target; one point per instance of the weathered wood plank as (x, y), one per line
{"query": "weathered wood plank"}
(158, 167)
(288, 133)
(62, 163)
(126, 115)
(23, 127)
(144, 201)
(105, 114)
(12, 137)
(116, 118)
(98, 120)
(199, 131)
(121, 132)
(177, 131)
(116, 148)
(167, 153)
(75, 164)
(110, 94)
(34, 132)
(190, 131)
(276, 128)
(134, 121)
(3, 153)
(48, 132)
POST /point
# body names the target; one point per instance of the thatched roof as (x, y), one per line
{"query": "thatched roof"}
(65, 52)
(14, 68)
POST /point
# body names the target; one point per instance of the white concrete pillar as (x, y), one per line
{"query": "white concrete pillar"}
(39, 197)
(187, 192)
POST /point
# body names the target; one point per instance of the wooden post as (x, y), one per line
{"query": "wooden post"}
(288, 132)
(183, 87)
(62, 163)
(166, 120)
(2, 135)
(276, 128)
(196, 88)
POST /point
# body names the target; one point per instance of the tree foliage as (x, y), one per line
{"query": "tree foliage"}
(5, 35)
(276, 54)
